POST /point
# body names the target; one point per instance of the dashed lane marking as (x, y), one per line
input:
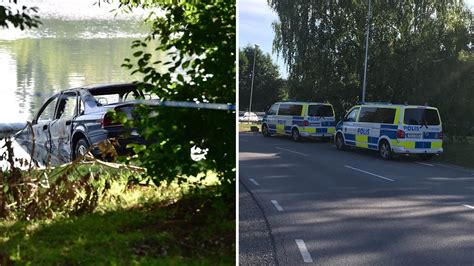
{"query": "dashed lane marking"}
(304, 154)
(369, 173)
(304, 250)
(277, 206)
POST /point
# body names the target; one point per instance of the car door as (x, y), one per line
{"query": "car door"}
(271, 118)
(39, 142)
(350, 126)
(61, 127)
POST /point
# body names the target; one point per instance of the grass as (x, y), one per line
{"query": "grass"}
(245, 127)
(458, 153)
(171, 224)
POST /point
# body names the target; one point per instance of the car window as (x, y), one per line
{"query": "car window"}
(273, 110)
(421, 116)
(352, 115)
(320, 110)
(48, 112)
(290, 109)
(67, 106)
(384, 115)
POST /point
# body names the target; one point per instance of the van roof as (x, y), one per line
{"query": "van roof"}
(301, 102)
(395, 105)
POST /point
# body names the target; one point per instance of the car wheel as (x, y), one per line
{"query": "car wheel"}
(81, 148)
(426, 157)
(265, 132)
(340, 142)
(295, 135)
(384, 150)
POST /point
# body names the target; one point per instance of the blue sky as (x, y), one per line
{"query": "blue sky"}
(255, 20)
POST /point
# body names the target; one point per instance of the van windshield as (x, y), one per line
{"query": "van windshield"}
(320, 110)
(421, 116)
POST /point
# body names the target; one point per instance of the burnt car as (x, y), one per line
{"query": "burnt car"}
(73, 120)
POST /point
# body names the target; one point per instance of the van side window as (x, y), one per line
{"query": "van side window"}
(385, 115)
(352, 115)
(273, 110)
(320, 111)
(367, 114)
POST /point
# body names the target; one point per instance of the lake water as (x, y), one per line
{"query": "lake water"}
(78, 44)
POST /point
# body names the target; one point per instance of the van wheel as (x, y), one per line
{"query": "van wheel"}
(426, 157)
(295, 135)
(81, 148)
(384, 150)
(265, 132)
(340, 142)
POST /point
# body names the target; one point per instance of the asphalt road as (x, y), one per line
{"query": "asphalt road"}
(330, 207)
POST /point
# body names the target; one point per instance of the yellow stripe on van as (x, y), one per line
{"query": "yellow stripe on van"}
(280, 129)
(331, 130)
(436, 144)
(362, 141)
(407, 144)
(310, 129)
(397, 116)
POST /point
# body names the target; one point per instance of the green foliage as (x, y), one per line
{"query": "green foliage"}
(419, 52)
(199, 38)
(268, 87)
(19, 18)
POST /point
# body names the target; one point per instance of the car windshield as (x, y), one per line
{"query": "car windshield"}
(421, 116)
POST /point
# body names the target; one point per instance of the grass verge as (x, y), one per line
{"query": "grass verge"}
(245, 127)
(458, 153)
(171, 225)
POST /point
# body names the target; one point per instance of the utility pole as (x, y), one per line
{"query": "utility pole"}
(251, 85)
(366, 54)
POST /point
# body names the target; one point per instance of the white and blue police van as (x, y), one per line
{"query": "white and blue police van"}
(300, 119)
(392, 129)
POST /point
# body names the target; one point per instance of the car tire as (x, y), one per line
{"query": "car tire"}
(295, 135)
(384, 150)
(426, 157)
(81, 148)
(265, 132)
(340, 142)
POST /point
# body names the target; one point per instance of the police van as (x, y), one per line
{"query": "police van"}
(300, 119)
(392, 129)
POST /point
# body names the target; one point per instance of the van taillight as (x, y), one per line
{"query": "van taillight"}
(107, 121)
(400, 134)
(306, 123)
(440, 135)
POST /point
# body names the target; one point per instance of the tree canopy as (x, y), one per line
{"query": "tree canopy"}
(268, 86)
(199, 39)
(419, 52)
(13, 15)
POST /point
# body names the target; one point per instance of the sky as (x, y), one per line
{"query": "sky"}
(255, 27)
(255, 20)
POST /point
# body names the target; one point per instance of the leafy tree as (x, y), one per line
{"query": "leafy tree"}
(268, 87)
(19, 18)
(419, 52)
(199, 38)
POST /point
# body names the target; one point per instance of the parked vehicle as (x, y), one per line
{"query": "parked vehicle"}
(392, 129)
(299, 119)
(249, 117)
(71, 121)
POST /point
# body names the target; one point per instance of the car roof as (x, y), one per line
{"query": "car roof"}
(105, 88)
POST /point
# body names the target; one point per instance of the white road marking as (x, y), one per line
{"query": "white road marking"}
(255, 182)
(369, 173)
(277, 206)
(303, 250)
(304, 154)
(427, 164)
(468, 206)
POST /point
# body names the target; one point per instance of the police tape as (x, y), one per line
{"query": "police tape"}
(196, 105)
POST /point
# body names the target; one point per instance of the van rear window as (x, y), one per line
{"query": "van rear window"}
(320, 110)
(421, 116)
